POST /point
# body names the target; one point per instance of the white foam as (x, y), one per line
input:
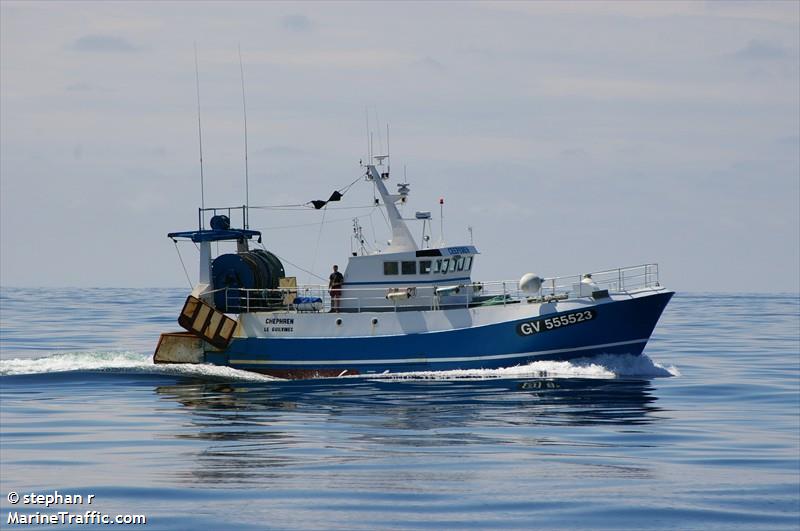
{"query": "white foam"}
(603, 366)
(119, 362)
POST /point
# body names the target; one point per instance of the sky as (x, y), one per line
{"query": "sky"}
(571, 137)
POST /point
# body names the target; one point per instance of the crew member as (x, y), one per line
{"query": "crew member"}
(335, 282)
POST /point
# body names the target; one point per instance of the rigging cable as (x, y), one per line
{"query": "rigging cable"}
(310, 204)
(185, 272)
(335, 220)
(293, 264)
(372, 224)
(388, 225)
(346, 188)
(306, 206)
(303, 206)
(319, 238)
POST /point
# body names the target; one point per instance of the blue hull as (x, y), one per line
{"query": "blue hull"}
(618, 327)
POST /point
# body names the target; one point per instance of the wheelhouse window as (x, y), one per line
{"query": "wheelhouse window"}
(424, 267)
(460, 263)
(445, 265)
(409, 268)
(390, 268)
(468, 263)
(437, 266)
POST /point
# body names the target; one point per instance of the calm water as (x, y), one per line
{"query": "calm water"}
(702, 433)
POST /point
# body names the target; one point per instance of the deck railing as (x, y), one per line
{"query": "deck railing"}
(425, 297)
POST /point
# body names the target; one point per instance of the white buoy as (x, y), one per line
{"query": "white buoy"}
(530, 283)
(397, 295)
(588, 285)
(447, 290)
(401, 293)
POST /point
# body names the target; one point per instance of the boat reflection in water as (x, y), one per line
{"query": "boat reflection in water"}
(245, 432)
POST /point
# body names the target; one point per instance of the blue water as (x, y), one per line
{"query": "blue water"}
(701, 433)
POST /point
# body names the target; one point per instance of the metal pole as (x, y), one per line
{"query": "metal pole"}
(246, 173)
(199, 134)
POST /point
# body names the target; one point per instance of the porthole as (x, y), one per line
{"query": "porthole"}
(339, 322)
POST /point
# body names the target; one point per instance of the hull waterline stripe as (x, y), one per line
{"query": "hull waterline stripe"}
(432, 360)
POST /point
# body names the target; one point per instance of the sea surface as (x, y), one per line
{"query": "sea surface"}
(702, 432)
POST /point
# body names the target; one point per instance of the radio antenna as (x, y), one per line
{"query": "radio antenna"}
(388, 151)
(200, 138)
(441, 221)
(369, 142)
(246, 173)
(378, 127)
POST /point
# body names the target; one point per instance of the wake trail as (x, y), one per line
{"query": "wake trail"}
(606, 366)
(122, 362)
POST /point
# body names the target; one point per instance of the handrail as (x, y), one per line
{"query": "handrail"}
(358, 299)
(201, 212)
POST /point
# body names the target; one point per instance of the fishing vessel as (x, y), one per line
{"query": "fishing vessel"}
(411, 306)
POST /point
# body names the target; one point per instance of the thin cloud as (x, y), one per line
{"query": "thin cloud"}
(296, 23)
(102, 43)
(85, 87)
(330, 58)
(576, 154)
(431, 63)
(79, 87)
(289, 151)
(482, 53)
(757, 50)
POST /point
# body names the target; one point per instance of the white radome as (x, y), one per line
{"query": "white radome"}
(530, 283)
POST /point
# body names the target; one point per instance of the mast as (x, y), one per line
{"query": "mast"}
(200, 139)
(401, 236)
(246, 173)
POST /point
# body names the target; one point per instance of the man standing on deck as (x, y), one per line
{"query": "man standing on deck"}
(335, 282)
